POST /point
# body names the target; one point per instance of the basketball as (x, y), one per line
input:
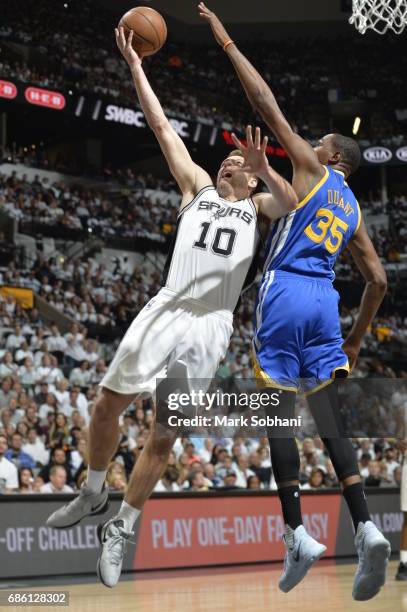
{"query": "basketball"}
(149, 29)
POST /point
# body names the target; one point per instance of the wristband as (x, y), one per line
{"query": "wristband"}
(227, 43)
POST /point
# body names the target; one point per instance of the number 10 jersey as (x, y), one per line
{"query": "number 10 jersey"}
(213, 249)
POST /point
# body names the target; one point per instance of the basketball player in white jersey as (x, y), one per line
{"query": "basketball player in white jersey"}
(189, 322)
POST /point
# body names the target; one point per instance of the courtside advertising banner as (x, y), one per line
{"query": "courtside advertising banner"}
(182, 531)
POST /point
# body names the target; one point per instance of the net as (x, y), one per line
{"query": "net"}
(379, 15)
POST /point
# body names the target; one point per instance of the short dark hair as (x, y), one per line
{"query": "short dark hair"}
(349, 150)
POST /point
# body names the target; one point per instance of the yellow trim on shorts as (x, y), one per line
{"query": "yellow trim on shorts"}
(331, 380)
(314, 189)
(265, 379)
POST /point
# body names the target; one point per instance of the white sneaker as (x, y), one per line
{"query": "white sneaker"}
(85, 504)
(374, 552)
(302, 552)
(113, 539)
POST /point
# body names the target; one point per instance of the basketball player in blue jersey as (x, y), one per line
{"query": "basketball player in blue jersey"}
(297, 330)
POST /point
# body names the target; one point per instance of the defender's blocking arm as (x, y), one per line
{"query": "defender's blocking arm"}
(282, 198)
(263, 101)
(190, 177)
(371, 268)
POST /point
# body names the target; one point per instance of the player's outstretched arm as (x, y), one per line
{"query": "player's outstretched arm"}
(189, 176)
(262, 99)
(371, 268)
(282, 198)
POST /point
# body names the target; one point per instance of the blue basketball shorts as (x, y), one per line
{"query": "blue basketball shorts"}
(297, 340)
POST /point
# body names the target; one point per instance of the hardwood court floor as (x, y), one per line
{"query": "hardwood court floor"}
(327, 587)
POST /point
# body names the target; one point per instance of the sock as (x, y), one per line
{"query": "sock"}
(291, 505)
(129, 515)
(403, 556)
(356, 500)
(95, 480)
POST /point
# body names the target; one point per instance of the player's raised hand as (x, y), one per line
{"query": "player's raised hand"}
(351, 350)
(219, 32)
(254, 152)
(126, 47)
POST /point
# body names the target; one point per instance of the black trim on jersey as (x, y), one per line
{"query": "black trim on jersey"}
(168, 261)
(255, 266)
(200, 192)
(253, 204)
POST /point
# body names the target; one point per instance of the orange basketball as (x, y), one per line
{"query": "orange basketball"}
(149, 29)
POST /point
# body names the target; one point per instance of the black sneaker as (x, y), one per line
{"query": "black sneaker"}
(402, 572)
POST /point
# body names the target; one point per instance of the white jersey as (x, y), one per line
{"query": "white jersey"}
(214, 246)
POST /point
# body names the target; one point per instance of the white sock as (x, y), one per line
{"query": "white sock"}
(403, 556)
(129, 515)
(95, 480)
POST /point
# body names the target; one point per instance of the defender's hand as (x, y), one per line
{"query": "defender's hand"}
(254, 153)
(219, 32)
(352, 350)
(126, 47)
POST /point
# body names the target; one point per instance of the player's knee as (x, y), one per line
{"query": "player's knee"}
(161, 441)
(106, 409)
(344, 460)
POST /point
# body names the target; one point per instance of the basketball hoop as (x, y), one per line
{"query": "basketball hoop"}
(379, 15)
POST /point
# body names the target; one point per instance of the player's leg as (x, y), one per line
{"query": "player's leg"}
(148, 469)
(277, 345)
(196, 355)
(302, 551)
(139, 358)
(372, 547)
(103, 440)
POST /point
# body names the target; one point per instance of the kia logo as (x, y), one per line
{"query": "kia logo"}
(377, 155)
(402, 154)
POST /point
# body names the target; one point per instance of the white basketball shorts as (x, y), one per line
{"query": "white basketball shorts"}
(170, 328)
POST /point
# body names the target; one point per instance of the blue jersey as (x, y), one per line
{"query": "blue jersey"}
(309, 239)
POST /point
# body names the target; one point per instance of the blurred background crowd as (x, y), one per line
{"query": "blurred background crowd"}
(87, 214)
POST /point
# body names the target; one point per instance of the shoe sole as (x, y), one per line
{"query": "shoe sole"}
(99, 575)
(102, 510)
(370, 585)
(98, 572)
(306, 567)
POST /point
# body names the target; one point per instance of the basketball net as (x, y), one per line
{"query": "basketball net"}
(379, 15)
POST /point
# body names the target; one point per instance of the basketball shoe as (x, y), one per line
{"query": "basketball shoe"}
(374, 552)
(85, 504)
(113, 539)
(302, 551)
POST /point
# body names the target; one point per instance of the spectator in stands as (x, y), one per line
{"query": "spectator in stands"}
(58, 458)
(58, 434)
(242, 471)
(168, 482)
(8, 471)
(16, 455)
(253, 482)
(374, 479)
(116, 476)
(34, 446)
(25, 480)
(316, 479)
(7, 366)
(197, 481)
(57, 481)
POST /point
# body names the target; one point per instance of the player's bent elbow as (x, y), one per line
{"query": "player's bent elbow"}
(379, 280)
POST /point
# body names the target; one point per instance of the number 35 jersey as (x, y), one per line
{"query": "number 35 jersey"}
(309, 240)
(213, 249)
